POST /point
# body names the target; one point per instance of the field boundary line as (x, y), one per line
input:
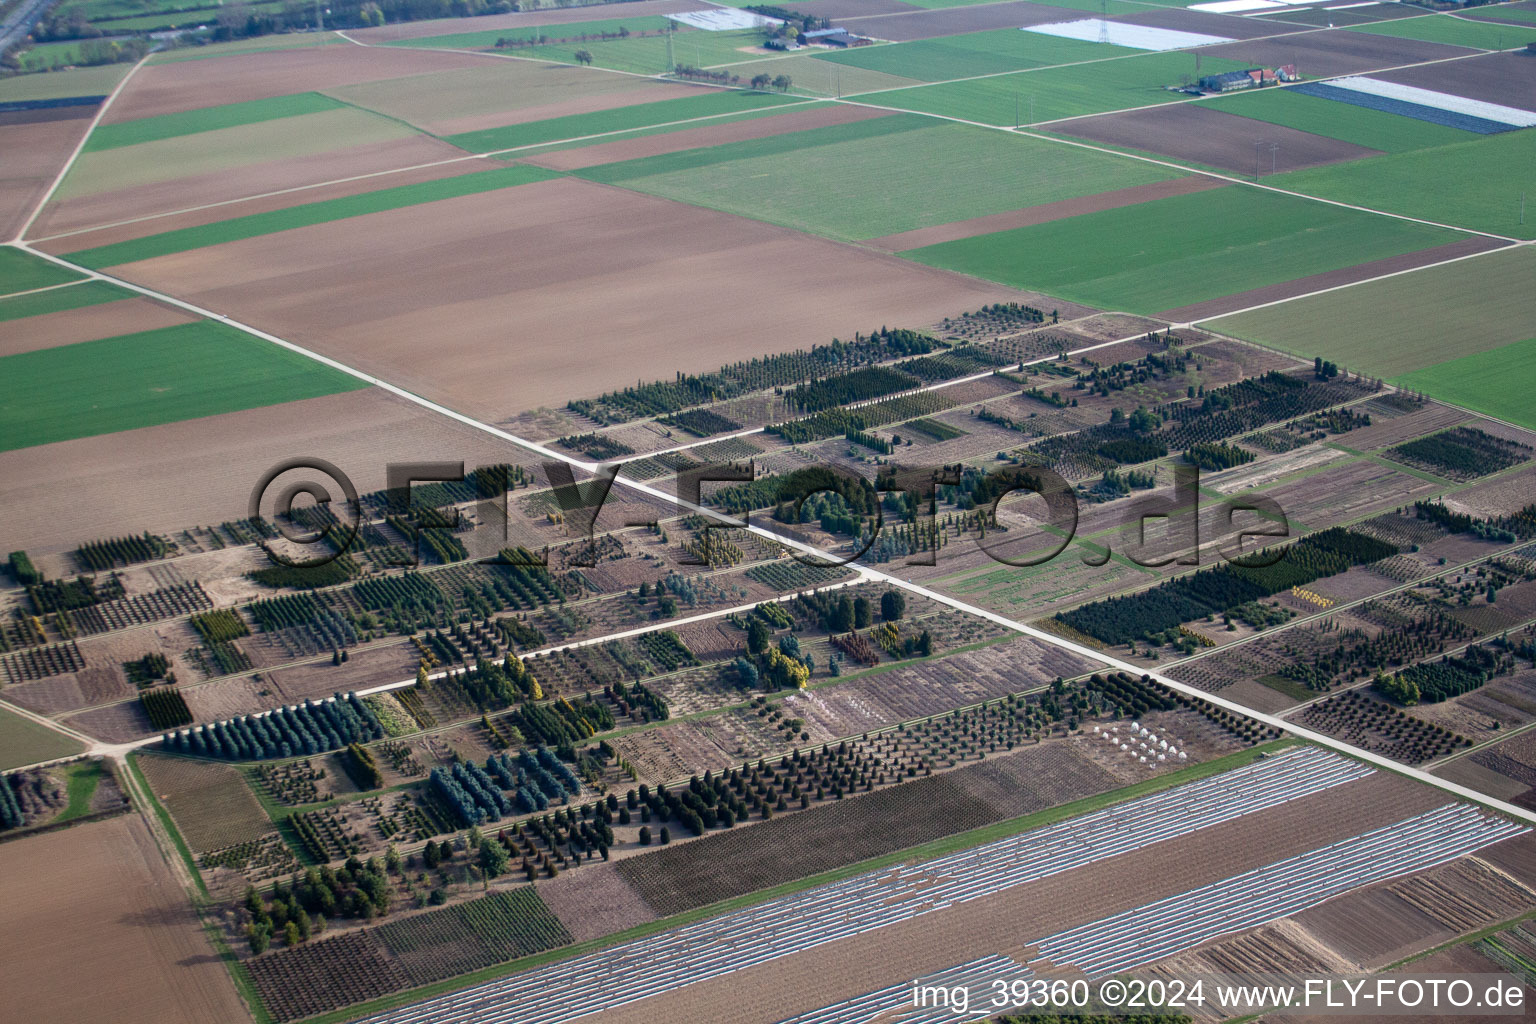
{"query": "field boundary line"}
(90, 129)
(864, 572)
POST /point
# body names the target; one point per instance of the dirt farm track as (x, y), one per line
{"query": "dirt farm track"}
(104, 934)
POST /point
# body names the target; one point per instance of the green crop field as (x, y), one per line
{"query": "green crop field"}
(23, 741)
(1442, 28)
(1476, 184)
(1182, 250)
(1506, 12)
(224, 149)
(1383, 328)
(878, 177)
(1116, 84)
(237, 228)
(21, 271)
(486, 39)
(149, 378)
(57, 300)
(976, 53)
(1374, 129)
(1497, 382)
(207, 119)
(640, 115)
(647, 55)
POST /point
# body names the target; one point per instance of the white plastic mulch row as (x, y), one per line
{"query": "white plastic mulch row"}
(723, 19)
(1238, 6)
(1438, 100)
(1135, 37)
(791, 924)
(1157, 930)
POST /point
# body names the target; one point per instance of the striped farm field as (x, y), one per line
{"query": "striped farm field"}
(225, 149)
(149, 378)
(639, 115)
(878, 177)
(976, 53)
(1056, 93)
(1497, 382)
(207, 119)
(57, 300)
(256, 224)
(1485, 303)
(1373, 129)
(1181, 250)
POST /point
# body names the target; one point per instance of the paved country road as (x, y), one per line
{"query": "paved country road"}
(19, 21)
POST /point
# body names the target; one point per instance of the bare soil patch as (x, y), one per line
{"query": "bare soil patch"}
(33, 155)
(88, 323)
(1331, 279)
(1324, 54)
(1205, 135)
(258, 179)
(1505, 78)
(956, 230)
(193, 84)
(955, 20)
(101, 894)
(699, 138)
(508, 285)
(201, 471)
(594, 901)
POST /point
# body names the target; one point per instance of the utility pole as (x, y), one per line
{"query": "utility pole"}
(319, 18)
(671, 62)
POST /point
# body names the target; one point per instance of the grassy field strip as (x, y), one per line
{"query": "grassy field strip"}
(1450, 29)
(639, 115)
(1192, 248)
(325, 211)
(145, 379)
(24, 739)
(205, 119)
